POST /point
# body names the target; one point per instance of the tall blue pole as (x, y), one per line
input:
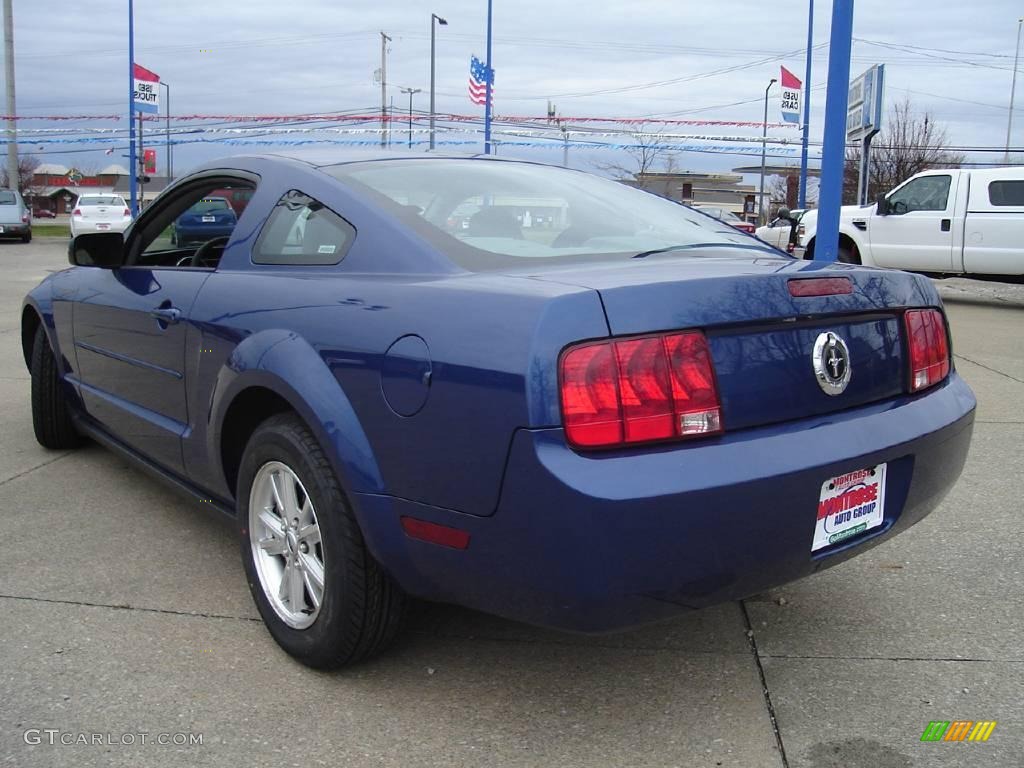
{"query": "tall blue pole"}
(807, 106)
(490, 78)
(833, 158)
(132, 170)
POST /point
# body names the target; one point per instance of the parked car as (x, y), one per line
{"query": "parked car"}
(585, 431)
(97, 212)
(43, 213)
(943, 222)
(783, 230)
(211, 217)
(15, 220)
(724, 214)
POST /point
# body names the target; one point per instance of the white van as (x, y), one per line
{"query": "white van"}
(944, 222)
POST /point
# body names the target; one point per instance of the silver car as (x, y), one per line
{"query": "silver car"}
(15, 217)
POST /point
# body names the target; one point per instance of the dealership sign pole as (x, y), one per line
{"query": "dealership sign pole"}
(807, 107)
(146, 98)
(833, 157)
(131, 111)
(864, 120)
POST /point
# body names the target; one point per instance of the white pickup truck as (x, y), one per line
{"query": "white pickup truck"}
(947, 222)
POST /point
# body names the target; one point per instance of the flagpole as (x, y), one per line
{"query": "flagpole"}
(132, 170)
(490, 78)
(807, 106)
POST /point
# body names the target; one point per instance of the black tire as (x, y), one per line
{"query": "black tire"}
(51, 418)
(27, 238)
(848, 255)
(362, 608)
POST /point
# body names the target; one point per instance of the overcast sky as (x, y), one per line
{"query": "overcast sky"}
(261, 56)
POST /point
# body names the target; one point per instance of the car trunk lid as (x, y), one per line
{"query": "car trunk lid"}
(760, 335)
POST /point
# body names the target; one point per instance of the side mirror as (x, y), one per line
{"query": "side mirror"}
(97, 249)
(883, 205)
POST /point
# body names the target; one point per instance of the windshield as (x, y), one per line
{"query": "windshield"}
(210, 205)
(7, 197)
(496, 215)
(100, 200)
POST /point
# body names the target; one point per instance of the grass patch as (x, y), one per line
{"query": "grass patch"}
(50, 230)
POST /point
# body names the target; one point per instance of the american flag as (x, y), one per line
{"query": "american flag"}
(479, 74)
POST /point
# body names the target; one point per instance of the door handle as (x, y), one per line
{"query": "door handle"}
(945, 225)
(166, 315)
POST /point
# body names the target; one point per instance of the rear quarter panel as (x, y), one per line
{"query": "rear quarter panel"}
(319, 337)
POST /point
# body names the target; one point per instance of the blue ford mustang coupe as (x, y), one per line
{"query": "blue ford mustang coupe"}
(519, 388)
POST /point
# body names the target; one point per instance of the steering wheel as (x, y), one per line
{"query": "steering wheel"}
(202, 257)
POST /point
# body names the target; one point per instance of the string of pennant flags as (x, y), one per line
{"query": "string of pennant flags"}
(404, 119)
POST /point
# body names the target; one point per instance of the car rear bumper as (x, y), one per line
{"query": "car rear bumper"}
(15, 230)
(605, 541)
(84, 226)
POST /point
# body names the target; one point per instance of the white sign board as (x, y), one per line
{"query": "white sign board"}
(864, 108)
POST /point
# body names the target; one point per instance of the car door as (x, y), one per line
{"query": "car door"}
(130, 325)
(917, 233)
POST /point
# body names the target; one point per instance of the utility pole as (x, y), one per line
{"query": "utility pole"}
(12, 124)
(1013, 89)
(384, 40)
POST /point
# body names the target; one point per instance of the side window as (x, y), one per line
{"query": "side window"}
(1006, 193)
(928, 193)
(301, 231)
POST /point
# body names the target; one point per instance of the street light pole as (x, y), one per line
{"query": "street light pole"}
(443, 22)
(764, 147)
(385, 131)
(169, 169)
(410, 91)
(1013, 89)
(807, 107)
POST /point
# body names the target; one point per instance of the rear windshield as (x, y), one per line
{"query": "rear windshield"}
(210, 205)
(100, 200)
(7, 197)
(499, 215)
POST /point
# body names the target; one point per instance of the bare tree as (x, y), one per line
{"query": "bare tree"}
(647, 155)
(909, 143)
(27, 165)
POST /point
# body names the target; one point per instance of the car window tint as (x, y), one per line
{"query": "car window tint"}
(301, 230)
(1006, 193)
(488, 214)
(7, 197)
(928, 193)
(210, 205)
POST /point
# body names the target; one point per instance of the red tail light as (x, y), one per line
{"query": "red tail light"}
(126, 212)
(819, 286)
(24, 218)
(928, 348)
(639, 390)
(76, 212)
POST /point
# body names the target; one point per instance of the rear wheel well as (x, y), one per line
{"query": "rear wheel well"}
(844, 240)
(30, 322)
(250, 408)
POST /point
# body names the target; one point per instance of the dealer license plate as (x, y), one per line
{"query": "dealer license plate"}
(209, 219)
(102, 226)
(849, 505)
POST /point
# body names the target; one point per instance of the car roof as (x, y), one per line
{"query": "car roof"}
(320, 157)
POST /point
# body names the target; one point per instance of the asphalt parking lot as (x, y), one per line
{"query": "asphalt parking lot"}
(123, 610)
